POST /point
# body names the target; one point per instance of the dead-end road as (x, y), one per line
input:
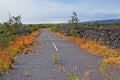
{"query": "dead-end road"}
(38, 66)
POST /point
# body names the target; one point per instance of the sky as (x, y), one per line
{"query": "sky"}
(59, 11)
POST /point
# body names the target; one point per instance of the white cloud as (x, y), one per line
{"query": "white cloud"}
(37, 11)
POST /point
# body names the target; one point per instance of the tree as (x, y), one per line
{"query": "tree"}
(17, 21)
(74, 25)
(74, 22)
(12, 27)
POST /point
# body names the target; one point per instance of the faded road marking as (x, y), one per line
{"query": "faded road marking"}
(55, 46)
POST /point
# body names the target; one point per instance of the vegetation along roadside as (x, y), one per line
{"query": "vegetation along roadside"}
(14, 36)
(97, 38)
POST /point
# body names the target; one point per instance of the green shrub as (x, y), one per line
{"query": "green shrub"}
(74, 33)
(53, 28)
(3, 65)
(55, 58)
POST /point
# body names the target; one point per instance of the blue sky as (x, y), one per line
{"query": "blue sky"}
(67, 1)
(58, 11)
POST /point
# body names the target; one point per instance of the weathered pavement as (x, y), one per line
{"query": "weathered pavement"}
(40, 67)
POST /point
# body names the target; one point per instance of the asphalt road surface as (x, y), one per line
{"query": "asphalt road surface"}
(39, 65)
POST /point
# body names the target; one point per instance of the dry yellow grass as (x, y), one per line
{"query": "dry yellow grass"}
(113, 60)
(26, 50)
(57, 68)
(26, 74)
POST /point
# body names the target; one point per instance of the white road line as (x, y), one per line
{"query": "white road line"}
(55, 46)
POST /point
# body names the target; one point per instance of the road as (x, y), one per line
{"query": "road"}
(38, 65)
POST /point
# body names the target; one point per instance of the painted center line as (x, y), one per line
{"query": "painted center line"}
(55, 46)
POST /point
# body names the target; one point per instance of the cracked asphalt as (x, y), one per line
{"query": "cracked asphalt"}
(38, 65)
